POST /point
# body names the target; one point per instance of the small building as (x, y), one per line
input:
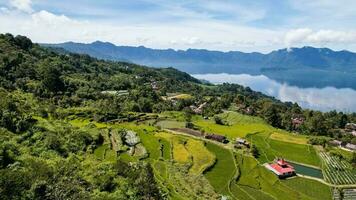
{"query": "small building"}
(281, 168)
(350, 127)
(350, 146)
(199, 109)
(242, 142)
(219, 138)
(335, 143)
(297, 121)
(154, 85)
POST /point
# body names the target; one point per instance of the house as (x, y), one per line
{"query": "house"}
(350, 127)
(199, 109)
(350, 146)
(335, 143)
(248, 111)
(242, 142)
(219, 138)
(297, 121)
(154, 85)
(281, 168)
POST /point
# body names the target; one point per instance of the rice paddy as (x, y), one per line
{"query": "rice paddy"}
(310, 188)
(202, 157)
(270, 149)
(210, 169)
(337, 171)
(222, 171)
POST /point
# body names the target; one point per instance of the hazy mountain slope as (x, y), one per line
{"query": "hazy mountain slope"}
(296, 66)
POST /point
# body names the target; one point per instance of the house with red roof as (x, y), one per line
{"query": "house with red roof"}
(281, 168)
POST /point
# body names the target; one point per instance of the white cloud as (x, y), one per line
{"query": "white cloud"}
(321, 37)
(46, 27)
(22, 5)
(197, 30)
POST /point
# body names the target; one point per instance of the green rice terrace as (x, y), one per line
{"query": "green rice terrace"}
(192, 167)
(76, 127)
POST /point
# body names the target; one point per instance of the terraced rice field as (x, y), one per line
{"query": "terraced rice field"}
(202, 157)
(337, 171)
(223, 170)
(180, 153)
(152, 145)
(170, 124)
(270, 149)
(311, 188)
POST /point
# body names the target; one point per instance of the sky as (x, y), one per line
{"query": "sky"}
(225, 25)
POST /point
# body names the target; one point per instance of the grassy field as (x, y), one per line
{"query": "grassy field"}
(179, 151)
(270, 149)
(223, 171)
(202, 157)
(152, 144)
(166, 149)
(170, 124)
(180, 96)
(235, 175)
(287, 137)
(256, 181)
(310, 188)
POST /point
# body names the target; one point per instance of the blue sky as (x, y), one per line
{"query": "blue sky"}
(244, 25)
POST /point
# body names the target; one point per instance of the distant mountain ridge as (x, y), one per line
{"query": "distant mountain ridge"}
(303, 67)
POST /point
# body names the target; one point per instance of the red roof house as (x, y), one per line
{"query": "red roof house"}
(281, 168)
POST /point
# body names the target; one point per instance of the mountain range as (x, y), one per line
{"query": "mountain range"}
(302, 67)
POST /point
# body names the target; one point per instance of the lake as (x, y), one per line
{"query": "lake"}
(307, 171)
(323, 99)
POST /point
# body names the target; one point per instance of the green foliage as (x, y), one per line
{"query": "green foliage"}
(61, 116)
(254, 151)
(218, 120)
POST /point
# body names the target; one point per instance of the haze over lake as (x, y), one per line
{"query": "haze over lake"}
(324, 99)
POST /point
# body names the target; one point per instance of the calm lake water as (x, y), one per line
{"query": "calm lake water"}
(324, 99)
(308, 171)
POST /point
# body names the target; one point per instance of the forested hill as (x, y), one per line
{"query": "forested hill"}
(64, 120)
(32, 68)
(296, 66)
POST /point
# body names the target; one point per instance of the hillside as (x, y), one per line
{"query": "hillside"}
(296, 66)
(76, 127)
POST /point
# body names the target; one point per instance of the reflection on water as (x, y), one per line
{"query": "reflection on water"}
(324, 99)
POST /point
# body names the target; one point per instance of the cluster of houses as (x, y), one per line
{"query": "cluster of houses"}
(281, 168)
(350, 129)
(341, 144)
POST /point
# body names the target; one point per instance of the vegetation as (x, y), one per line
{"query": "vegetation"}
(337, 171)
(222, 171)
(75, 127)
(202, 158)
(311, 188)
